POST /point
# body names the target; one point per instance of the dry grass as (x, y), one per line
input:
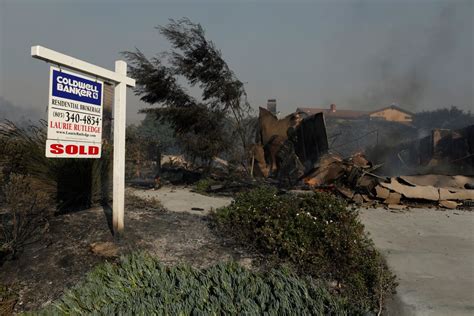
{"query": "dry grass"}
(133, 202)
(8, 299)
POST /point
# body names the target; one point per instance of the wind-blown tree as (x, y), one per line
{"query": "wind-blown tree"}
(202, 126)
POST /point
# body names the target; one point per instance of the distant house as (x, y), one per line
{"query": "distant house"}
(333, 113)
(392, 113)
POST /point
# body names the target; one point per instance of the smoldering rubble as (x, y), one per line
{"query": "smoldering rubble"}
(294, 152)
(442, 151)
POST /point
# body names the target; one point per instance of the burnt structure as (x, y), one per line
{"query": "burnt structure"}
(288, 148)
(443, 151)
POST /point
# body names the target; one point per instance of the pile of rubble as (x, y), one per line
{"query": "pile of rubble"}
(353, 178)
(294, 152)
(443, 151)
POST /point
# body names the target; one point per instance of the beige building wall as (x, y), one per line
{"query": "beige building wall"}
(392, 115)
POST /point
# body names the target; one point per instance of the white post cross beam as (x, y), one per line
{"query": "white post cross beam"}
(119, 77)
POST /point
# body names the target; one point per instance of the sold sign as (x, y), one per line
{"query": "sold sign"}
(74, 115)
(63, 149)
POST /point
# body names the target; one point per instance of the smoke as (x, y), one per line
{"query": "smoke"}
(419, 68)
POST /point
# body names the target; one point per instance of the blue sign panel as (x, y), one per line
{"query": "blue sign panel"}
(68, 86)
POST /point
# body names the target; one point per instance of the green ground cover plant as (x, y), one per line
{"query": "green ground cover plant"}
(140, 285)
(318, 235)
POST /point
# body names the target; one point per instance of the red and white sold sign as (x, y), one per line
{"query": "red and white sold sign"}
(64, 149)
(74, 115)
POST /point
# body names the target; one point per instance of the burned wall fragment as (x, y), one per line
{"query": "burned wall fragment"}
(291, 146)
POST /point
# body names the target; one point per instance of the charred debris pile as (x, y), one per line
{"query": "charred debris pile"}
(295, 152)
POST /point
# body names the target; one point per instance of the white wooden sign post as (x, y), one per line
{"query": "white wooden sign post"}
(121, 81)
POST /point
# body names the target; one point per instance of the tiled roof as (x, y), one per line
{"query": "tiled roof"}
(344, 114)
(392, 107)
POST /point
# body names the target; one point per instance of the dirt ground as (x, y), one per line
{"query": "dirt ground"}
(45, 269)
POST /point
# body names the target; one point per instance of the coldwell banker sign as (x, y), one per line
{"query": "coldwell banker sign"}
(74, 115)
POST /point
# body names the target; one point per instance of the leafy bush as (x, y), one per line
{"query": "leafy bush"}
(318, 234)
(140, 285)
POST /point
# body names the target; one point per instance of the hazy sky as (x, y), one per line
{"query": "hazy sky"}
(357, 54)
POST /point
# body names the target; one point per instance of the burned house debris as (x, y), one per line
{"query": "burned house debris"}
(355, 180)
(295, 152)
(443, 151)
(288, 148)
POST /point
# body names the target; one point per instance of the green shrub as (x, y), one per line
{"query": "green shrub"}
(140, 285)
(204, 184)
(318, 234)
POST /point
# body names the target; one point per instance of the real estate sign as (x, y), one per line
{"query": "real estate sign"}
(74, 115)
